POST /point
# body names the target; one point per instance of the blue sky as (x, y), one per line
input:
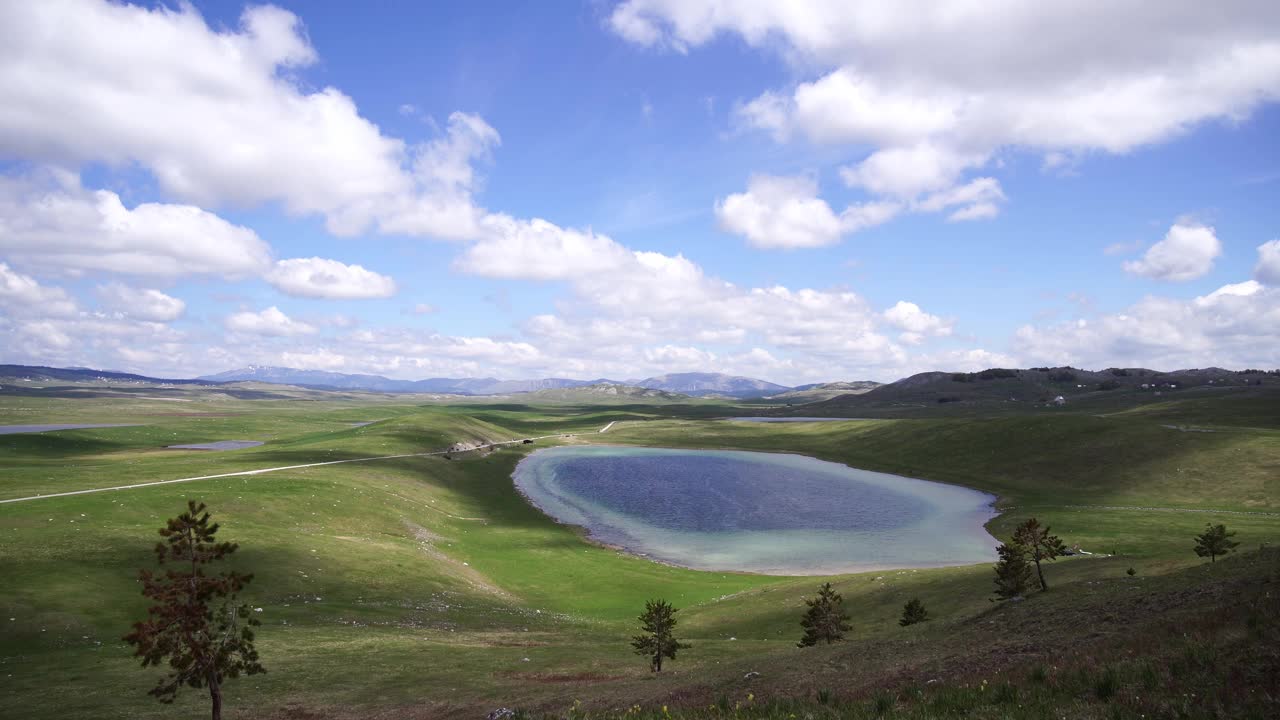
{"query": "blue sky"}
(800, 192)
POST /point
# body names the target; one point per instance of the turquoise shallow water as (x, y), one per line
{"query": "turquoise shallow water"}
(757, 512)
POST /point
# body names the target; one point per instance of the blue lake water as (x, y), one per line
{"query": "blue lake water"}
(757, 512)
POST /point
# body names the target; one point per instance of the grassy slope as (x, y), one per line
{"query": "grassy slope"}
(436, 581)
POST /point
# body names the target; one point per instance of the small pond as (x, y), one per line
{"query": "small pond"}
(757, 512)
(219, 445)
(14, 429)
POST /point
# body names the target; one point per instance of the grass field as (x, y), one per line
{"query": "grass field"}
(426, 587)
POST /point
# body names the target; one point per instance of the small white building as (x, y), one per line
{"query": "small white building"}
(1059, 401)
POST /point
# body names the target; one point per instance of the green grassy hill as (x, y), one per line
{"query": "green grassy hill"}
(427, 587)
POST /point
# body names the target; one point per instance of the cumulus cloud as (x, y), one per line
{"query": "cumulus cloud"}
(915, 323)
(49, 221)
(626, 304)
(1268, 268)
(1186, 252)
(270, 322)
(322, 278)
(219, 117)
(780, 212)
(25, 295)
(1237, 325)
(540, 250)
(96, 339)
(926, 93)
(143, 304)
(786, 212)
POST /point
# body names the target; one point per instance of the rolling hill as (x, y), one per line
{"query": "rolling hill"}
(1041, 385)
(814, 392)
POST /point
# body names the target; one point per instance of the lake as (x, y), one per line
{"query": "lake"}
(767, 513)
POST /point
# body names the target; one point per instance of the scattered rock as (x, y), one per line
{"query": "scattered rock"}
(751, 675)
(501, 714)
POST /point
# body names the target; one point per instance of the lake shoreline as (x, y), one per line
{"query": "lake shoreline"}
(600, 533)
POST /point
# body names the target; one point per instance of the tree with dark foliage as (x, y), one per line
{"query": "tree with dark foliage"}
(658, 641)
(195, 623)
(1039, 544)
(913, 612)
(1013, 572)
(825, 620)
(1215, 541)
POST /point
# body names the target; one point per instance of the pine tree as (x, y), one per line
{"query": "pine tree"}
(205, 642)
(825, 620)
(658, 623)
(913, 612)
(1013, 572)
(1039, 544)
(1215, 541)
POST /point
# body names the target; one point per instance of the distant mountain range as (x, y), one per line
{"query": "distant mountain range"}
(995, 384)
(692, 384)
(377, 383)
(703, 384)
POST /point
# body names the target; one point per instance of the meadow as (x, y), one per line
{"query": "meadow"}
(427, 587)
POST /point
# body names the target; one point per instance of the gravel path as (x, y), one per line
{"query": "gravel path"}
(261, 471)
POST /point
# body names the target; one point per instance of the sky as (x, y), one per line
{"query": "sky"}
(807, 191)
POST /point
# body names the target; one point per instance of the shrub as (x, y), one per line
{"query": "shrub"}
(884, 702)
(1106, 685)
(913, 612)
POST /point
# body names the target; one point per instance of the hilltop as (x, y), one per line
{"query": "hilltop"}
(697, 384)
(604, 392)
(1041, 386)
(814, 392)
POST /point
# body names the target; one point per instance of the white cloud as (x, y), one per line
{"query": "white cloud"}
(915, 323)
(632, 303)
(49, 221)
(322, 278)
(33, 299)
(1268, 268)
(978, 198)
(270, 322)
(540, 250)
(143, 304)
(780, 212)
(1186, 252)
(906, 172)
(95, 339)
(845, 107)
(1243, 289)
(219, 117)
(977, 211)
(932, 99)
(1235, 326)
